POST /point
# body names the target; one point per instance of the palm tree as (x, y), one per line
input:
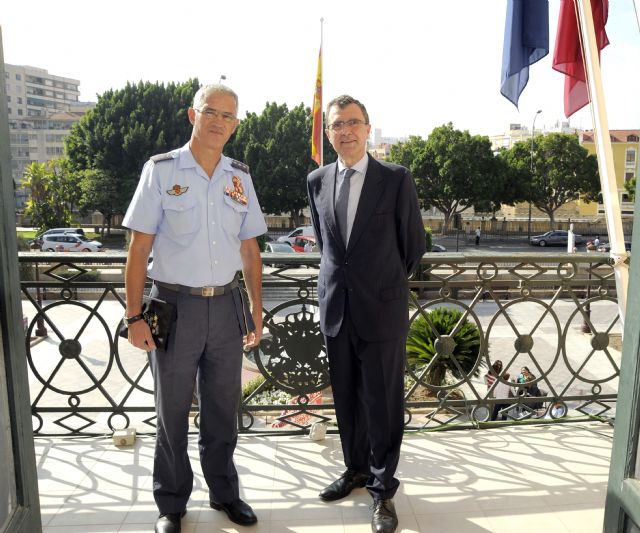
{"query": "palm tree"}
(457, 342)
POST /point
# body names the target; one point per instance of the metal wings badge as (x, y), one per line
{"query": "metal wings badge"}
(177, 190)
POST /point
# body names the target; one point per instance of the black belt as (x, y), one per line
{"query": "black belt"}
(199, 291)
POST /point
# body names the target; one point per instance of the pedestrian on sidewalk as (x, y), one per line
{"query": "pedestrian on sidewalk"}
(477, 236)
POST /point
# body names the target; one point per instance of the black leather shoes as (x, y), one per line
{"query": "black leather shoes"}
(238, 511)
(169, 523)
(384, 518)
(343, 486)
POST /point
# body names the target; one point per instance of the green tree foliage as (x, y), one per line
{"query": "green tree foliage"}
(101, 192)
(54, 193)
(630, 187)
(421, 345)
(277, 147)
(453, 170)
(126, 127)
(558, 170)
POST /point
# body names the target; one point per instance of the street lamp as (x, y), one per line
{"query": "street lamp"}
(222, 77)
(533, 129)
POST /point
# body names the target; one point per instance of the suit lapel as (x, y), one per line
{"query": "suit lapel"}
(328, 207)
(371, 191)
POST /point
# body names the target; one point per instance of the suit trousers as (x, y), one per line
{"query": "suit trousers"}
(367, 379)
(205, 344)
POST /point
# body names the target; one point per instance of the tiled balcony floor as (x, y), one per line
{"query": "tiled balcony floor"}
(549, 479)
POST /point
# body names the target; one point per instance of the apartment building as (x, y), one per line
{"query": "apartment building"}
(42, 108)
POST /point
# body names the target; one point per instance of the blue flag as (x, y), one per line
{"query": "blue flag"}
(526, 40)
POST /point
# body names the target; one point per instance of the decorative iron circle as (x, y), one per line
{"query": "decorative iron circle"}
(122, 414)
(303, 293)
(70, 349)
(449, 345)
(445, 345)
(596, 388)
(66, 294)
(73, 400)
(481, 412)
(246, 420)
(445, 292)
(558, 410)
(522, 337)
(294, 356)
(487, 271)
(570, 269)
(523, 343)
(39, 422)
(569, 324)
(600, 340)
(95, 381)
(135, 383)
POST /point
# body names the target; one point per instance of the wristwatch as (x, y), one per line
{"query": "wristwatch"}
(131, 319)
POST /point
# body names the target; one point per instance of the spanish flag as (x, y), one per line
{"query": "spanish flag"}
(316, 132)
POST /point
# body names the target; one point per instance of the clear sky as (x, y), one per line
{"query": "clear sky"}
(415, 64)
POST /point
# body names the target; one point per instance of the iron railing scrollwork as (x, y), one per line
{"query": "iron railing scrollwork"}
(529, 309)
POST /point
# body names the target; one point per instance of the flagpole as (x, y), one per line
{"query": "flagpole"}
(610, 197)
(322, 78)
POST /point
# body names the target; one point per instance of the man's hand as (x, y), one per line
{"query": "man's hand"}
(140, 336)
(252, 339)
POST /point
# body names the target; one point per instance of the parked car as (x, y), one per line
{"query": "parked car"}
(555, 238)
(606, 246)
(69, 242)
(278, 248)
(37, 242)
(300, 242)
(438, 248)
(299, 231)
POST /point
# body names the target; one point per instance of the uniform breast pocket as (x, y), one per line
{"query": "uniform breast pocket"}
(181, 217)
(233, 215)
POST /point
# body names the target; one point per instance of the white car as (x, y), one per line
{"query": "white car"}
(69, 242)
(298, 232)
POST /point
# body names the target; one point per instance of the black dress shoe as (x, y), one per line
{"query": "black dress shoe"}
(169, 523)
(384, 518)
(343, 486)
(238, 511)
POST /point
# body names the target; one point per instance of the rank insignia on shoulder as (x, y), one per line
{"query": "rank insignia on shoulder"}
(162, 157)
(240, 166)
(177, 190)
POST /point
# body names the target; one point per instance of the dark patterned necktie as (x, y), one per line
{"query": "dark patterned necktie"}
(342, 203)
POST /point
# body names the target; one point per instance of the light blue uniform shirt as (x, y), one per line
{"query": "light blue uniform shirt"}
(197, 223)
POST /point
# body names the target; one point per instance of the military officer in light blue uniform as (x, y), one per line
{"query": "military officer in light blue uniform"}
(198, 211)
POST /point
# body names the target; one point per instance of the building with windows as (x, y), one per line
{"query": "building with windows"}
(42, 107)
(625, 145)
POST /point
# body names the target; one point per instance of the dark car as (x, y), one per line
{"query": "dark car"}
(555, 238)
(438, 248)
(606, 246)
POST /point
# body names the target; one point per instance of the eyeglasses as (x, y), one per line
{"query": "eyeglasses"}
(210, 113)
(340, 124)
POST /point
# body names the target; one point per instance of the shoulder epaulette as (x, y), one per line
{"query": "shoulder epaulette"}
(162, 157)
(240, 166)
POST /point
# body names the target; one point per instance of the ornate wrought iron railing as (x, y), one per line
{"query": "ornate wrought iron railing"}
(553, 313)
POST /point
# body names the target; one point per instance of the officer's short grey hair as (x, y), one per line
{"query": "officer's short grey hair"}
(206, 91)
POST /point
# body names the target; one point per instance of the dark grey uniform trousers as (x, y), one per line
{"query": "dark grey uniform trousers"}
(205, 344)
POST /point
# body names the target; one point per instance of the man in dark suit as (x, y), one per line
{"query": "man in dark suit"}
(369, 230)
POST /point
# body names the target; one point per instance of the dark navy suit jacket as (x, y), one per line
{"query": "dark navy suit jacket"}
(385, 246)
